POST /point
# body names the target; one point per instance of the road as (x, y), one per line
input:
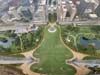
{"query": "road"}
(89, 63)
(85, 22)
(14, 60)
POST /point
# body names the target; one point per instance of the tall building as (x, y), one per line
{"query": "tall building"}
(86, 6)
(97, 11)
(27, 15)
(40, 12)
(67, 10)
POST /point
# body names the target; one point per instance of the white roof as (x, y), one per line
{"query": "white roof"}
(93, 1)
(70, 2)
(78, 2)
(11, 8)
(93, 15)
(43, 2)
(88, 10)
(63, 2)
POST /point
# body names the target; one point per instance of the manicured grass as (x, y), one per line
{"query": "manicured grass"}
(52, 55)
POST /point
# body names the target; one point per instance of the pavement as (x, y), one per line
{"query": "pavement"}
(14, 60)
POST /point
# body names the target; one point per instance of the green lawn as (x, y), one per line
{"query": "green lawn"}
(52, 55)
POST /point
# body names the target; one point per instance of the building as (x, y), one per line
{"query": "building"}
(97, 11)
(67, 10)
(40, 15)
(26, 13)
(86, 6)
(78, 11)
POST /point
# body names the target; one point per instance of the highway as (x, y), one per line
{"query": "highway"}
(90, 63)
(88, 22)
(13, 27)
(15, 60)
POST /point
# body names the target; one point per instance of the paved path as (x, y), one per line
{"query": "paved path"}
(26, 66)
(75, 37)
(52, 24)
(80, 70)
(90, 63)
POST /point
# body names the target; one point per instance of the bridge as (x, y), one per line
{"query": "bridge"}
(15, 60)
(89, 63)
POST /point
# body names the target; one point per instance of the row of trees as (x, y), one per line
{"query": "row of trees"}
(70, 29)
(90, 49)
(65, 36)
(52, 17)
(29, 41)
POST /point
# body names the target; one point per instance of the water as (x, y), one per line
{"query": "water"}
(6, 44)
(86, 42)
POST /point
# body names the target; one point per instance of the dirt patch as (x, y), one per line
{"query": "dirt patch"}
(9, 71)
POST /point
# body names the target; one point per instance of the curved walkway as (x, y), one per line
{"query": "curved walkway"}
(26, 66)
(75, 37)
(80, 70)
(52, 29)
(53, 54)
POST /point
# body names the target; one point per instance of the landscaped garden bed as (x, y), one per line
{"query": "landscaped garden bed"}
(52, 17)
(16, 43)
(85, 39)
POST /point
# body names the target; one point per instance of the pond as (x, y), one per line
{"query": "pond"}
(7, 43)
(85, 41)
